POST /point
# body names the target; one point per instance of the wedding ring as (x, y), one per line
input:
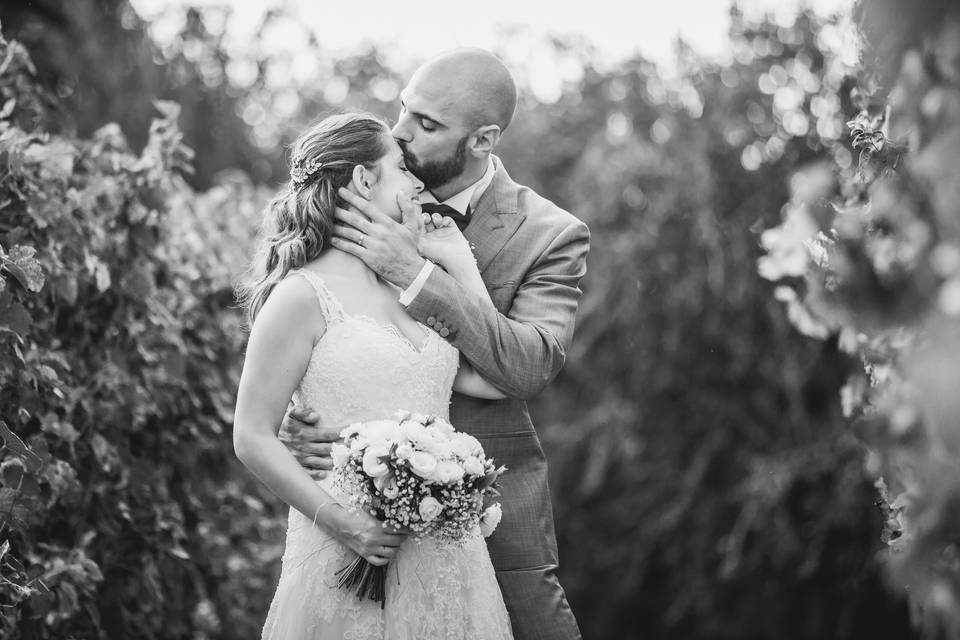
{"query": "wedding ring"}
(360, 240)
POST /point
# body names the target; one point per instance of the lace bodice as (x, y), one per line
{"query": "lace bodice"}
(362, 369)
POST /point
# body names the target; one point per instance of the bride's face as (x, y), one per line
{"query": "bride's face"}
(394, 181)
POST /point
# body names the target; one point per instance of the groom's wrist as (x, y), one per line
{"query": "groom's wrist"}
(416, 283)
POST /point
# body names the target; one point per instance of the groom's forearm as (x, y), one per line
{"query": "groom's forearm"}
(522, 352)
(516, 357)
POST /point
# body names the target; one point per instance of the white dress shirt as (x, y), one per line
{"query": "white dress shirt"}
(463, 201)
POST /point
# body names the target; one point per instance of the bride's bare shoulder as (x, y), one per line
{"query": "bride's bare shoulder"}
(291, 305)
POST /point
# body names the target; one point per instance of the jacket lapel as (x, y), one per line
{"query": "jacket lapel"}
(496, 217)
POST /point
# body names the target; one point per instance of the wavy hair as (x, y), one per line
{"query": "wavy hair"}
(298, 222)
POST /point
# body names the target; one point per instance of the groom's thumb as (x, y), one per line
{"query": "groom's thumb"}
(410, 213)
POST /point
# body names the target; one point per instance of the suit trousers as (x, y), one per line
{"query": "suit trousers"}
(523, 548)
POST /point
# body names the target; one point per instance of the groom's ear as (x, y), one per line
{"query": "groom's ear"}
(363, 180)
(486, 138)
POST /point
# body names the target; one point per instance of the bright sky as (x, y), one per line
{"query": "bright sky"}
(408, 32)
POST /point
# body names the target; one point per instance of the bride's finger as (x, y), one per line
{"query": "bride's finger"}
(448, 221)
(437, 220)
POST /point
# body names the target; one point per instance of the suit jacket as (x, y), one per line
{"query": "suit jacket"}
(532, 255)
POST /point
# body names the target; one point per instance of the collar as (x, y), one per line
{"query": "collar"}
(467, 199)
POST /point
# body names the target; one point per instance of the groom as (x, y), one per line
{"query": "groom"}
(532, 256)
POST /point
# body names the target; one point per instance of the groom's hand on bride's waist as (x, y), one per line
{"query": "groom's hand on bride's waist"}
(309, 443)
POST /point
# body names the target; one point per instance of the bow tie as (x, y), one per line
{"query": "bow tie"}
(461, 219)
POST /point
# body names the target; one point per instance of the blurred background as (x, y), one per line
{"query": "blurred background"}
(705, 481)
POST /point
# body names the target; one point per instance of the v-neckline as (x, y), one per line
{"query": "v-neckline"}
(392, 329)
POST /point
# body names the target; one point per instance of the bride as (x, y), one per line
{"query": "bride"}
(328, 332)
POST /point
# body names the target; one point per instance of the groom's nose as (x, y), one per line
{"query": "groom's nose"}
(401, 130)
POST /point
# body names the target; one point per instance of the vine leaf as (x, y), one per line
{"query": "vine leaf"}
(13, 445)
(22, 264)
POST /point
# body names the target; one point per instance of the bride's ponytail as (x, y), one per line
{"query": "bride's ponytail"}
(298, 222)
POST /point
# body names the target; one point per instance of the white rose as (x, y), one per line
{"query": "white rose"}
(340, 454)
(464, 445)
(414, 432)
(443, 427)
(419, 417)
(473, 466)
(490, 519)
(387, 485)
(430, 509)
(437, 446)
(351, 429)
(404, 451)
(382, 431)
(372, 465)
(423, 464)
(448, 472)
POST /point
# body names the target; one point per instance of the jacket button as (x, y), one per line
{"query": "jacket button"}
(431, 321)
(444, 332)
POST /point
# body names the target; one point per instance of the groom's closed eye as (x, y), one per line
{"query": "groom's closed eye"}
(426, 122)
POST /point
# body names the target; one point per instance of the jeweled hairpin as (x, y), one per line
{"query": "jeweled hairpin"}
(301, 170)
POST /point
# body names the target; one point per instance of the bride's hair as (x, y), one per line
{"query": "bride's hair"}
(298, 221)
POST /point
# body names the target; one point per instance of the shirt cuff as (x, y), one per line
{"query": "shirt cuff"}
(410, 293)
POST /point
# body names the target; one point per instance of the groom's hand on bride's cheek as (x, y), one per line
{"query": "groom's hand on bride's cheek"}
(386, 246)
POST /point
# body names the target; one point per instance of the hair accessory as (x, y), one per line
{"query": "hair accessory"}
(301, 170)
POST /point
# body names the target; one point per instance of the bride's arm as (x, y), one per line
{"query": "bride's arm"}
(447, 247)
(280, 346)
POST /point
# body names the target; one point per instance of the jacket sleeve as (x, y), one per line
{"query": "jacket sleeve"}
(522, 351)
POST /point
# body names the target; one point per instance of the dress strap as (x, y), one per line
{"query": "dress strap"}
(330, 307)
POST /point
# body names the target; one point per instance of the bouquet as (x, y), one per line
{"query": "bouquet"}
(414, 472)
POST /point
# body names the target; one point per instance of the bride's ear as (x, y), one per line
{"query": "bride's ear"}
(363, 181)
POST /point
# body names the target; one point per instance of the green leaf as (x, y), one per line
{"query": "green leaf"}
(13, 445)
(7, 109)
(105, 452)
(13, 317)
(63, 429)
(17, 508)
(20, 262)
(178, 551)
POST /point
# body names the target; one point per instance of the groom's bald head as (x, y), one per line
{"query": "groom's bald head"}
(473, 83)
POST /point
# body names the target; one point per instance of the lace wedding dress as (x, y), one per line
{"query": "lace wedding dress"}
(363, 370)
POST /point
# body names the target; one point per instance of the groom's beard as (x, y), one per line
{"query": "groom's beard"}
(437, 173)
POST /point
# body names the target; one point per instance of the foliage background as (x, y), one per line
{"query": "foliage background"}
(705, 482)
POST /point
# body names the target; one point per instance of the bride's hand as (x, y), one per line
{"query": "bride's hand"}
(366, 536)
(443, 243)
